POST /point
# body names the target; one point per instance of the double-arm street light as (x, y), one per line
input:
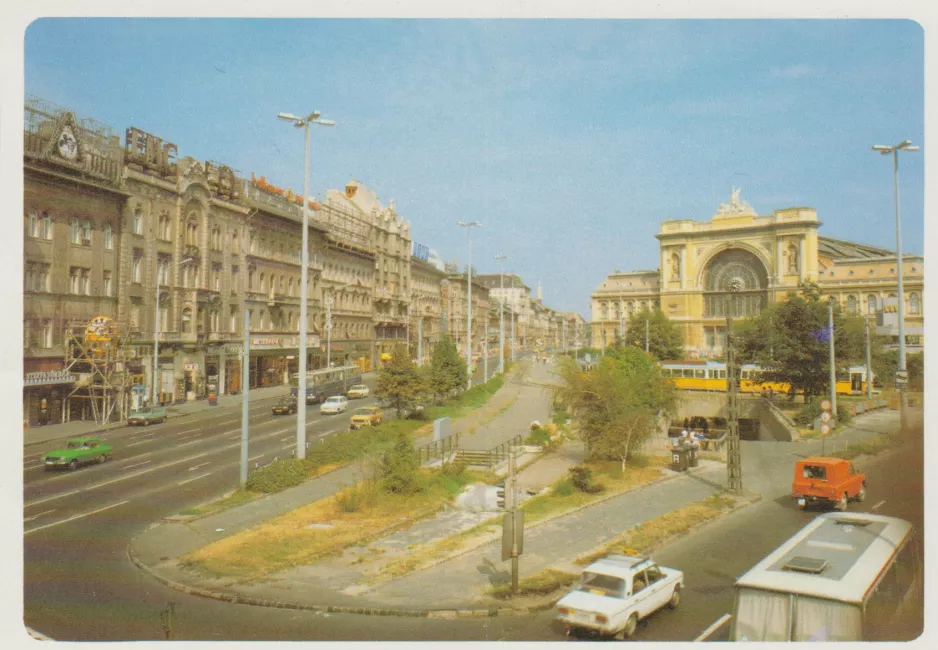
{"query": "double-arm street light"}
(901, 374)
(154, 394)
(501, 312)
(468, 225)
(304, 122)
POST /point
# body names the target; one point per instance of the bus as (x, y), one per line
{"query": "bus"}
(326, 382)
(843, 577)
(711, 375)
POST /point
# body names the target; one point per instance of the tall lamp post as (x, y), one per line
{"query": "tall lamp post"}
(304, 122)
(154, 394)
(501, 313)
(901, 374)
(469, 225)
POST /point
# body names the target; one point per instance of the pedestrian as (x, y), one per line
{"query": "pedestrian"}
(43, 411)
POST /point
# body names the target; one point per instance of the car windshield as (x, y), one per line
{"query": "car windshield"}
(359, 387)
(603, 585)
(74, 445)
(334, 400)
(363, 411)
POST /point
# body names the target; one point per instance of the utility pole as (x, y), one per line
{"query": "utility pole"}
(501, 312)
(485, 354)
(512, 523)
(245, 387)
(419, 340)
(869, 365)
(646, 335)
(734, 466)
(830, 346)
(329, 330)
(512, 333)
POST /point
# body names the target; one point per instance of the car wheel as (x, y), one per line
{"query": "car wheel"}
(102, 458)
(675, 598)
(861, 495)
(842, 504)
(146, 423)
(630, 626)
(72, 466)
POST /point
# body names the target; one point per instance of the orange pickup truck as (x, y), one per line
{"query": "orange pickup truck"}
(827, 481)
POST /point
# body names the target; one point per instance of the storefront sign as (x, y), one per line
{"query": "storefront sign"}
(232, 349)
(262, 184)
(190, 367)
(285, 342)
(48, 377)
(99, 330)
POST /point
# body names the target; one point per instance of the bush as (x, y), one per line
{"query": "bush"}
(807, 413)
(278, 475)
(400, 467)
(582, 479)
(538, 437)
(355, 498)
(563, 489)
(639, 460)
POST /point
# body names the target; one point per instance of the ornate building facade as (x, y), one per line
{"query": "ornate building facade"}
(760, 259)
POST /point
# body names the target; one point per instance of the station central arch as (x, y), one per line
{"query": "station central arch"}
(738, 271)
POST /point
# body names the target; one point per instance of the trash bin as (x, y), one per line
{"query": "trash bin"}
(212, 399)
(679, 458)
(692, 456)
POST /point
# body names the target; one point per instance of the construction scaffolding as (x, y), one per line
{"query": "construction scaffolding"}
(97, 354)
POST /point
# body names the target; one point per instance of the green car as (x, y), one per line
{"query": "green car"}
(77, 451)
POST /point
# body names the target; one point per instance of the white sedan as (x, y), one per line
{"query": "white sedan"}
(358, 391)
(334, 404)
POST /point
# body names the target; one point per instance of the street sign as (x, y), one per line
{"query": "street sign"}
(825, 429)
(825, 405)
(825, 416)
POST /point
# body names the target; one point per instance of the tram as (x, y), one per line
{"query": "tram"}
(710, 375)
(326, 382)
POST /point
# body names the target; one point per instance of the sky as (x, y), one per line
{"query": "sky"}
(570, 140)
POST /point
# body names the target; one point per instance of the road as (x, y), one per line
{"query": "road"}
(80, 585)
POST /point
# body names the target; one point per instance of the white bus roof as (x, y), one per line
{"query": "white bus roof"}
(838, 556)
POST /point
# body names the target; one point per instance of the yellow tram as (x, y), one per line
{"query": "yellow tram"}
(710, 375)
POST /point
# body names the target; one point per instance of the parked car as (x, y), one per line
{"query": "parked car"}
(366, 416)
(334, 404)
(147, 416)
(358, 391)
(285, 406)
(617, 591)
(77, 451)
(827, 481)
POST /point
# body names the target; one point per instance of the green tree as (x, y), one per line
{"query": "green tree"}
(790, 341)
(399, 469)
(618, 402)
(399, 383)
(447, 371)
(665, 341)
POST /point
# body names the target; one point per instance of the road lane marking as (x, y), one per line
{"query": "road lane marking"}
(878, 505)
(140, 443)
(179, 433)
(194, 467)
(189, 436)
(287, 438)
(714, 627)
(256, 457)
(194, 478)
(135, 465)
(185, 444)
(57, 496)
(85, 514)
(45, 512)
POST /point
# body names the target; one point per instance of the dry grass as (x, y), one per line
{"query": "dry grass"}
(540, 584)
(645, 536)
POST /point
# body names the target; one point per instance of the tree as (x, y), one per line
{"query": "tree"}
(665, 341)
(399, 469)
(790, 341)
(618, 402)
(399, 382)
(447, 371)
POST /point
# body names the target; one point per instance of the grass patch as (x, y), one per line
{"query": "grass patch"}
(541, 584)
(233, 500)
(644, 537)
(869, 447)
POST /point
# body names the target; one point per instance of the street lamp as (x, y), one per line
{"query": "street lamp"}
(501, 313)
(468, 225)
(304, 122)
(901, 374)
(154, 395)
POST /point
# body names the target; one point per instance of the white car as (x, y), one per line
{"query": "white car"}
(358, 391)
(617, 591)
(334, 404)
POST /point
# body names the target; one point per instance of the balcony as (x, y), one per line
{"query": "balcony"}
(178, 337)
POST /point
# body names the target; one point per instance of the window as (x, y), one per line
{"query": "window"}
(36, 277)
(216, 276)
(75, 228)
(165, 228)
(137, 222)
(235, 279)
(46, 226)
(85, 282)
(135, 312)
(44, 338)
(108, 242)
(915, 304)
(106, 288)
(216, 238)
(86, 232)
(136, 266)
(192, 234)
(871, 304)
(851, 304)
(187, 320)
(32, 224)
(74, 279)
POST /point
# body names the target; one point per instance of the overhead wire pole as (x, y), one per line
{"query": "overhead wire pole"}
(304, 122)
(501, 313)
(469, 225)
(901, 372)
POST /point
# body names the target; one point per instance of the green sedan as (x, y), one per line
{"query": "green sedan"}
(77, 451)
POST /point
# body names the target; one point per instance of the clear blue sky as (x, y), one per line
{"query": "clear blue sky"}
(570, 140)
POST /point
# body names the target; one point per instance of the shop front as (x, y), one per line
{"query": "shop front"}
(45, 394)
(275, 359)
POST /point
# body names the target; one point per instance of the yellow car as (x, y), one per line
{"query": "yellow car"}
(366, 416)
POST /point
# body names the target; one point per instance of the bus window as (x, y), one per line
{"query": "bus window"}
(721, 374)
(700, 374)
(689, 373)
(761, 616)
(819, 619)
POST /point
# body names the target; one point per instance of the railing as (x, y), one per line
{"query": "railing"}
(502, 451)
(439, 449)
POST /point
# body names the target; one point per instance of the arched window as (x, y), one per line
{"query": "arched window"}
(187, 320)
(851, 304)
(604, 311)
(871, 304)
(108, 244)
(192, 234)
(739, 277)
(263, 286)
(137, 225)
(915, 304)
(86, 231)
(32, 224)
(75, 228)
(166, 229)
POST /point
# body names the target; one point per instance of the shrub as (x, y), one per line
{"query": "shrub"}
(278, 475)
(582, 479)
(639, 460)
(807, 413)
(538, 437)
(563, 489)
(400, 467)
(355, 498)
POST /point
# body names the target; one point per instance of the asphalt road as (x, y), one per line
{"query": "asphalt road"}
(79, 584)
